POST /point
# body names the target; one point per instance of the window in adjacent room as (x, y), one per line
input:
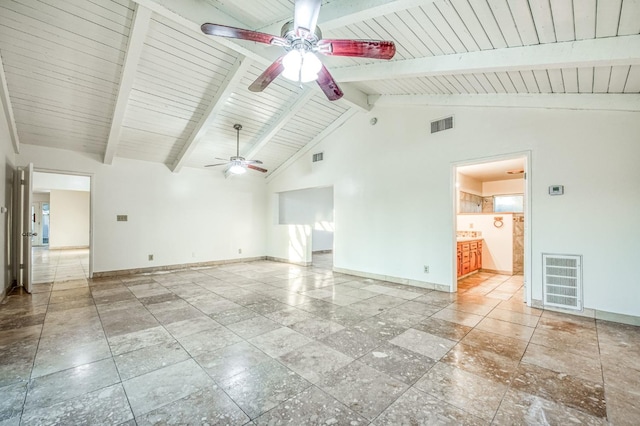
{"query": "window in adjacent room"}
(508, 203)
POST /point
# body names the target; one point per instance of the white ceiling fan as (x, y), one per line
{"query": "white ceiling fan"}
(302, 40)
(238, 165)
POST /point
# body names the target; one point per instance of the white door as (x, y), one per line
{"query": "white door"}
(24, 220)
(36, 223)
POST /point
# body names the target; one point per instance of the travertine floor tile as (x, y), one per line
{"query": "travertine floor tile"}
(207, 406)
(427, 344)
(363, 389)
(446, 329)
(280, 341)
(68, 384)
(263, 387)
(397, 362)
(231, 360)
(102, 406)
(563, 362)
(258, 343)
(561, 388)
(475, 394)
(481, 362)
(417, 408)
(523, 408)
(160, 387)
(312, 406)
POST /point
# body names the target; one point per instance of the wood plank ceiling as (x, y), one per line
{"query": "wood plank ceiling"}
(136, 79)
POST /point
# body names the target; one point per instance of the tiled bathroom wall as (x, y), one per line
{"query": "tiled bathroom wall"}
(470, 203)
(518, 243)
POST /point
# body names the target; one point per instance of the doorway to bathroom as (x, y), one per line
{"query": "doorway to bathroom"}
(491, 227)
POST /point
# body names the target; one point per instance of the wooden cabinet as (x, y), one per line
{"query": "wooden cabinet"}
(478, 257)
(469, 257)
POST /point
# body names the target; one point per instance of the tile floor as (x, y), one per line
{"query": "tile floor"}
(267, 343)
(59, 265)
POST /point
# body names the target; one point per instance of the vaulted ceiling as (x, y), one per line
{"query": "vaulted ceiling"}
(137, 79)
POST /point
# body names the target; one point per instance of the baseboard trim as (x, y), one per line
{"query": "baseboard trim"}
(397, 280)
(164, 268)
(282, 260)
(621, 318)
(322, 251)
(496, 271)
(591, 313)
(5, 292)
(67, 247)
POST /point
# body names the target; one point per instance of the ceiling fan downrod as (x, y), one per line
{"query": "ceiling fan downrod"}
(238, 127)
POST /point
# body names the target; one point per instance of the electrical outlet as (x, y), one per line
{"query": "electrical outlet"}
(193, 254)
(426, 269)
(239, 251)
(150, 257)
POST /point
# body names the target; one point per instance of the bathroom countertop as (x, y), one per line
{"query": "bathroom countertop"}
(465, 239)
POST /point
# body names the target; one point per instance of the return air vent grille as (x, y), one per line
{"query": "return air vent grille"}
(562, 275)
(440, 125)
(318, 157)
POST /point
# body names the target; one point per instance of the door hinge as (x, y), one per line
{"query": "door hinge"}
(21, 181)
(22, 266)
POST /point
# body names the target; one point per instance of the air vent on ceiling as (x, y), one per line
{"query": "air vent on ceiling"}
(562, 276)
(318, 157)
(440, 125)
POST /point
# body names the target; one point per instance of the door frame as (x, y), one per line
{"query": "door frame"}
(91, 204)
(527, 214)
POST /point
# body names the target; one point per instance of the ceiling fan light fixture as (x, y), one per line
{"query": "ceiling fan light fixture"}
(300, 65)
(237, 169)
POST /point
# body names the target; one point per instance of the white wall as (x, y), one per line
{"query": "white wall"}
(503, 187)
(69, 219)
(6, 176)
(187, 217)
(469, 184)
(291, 243)
(392, 222)
(42, 197)
(497, 249)
(47, 181)
(314, 207)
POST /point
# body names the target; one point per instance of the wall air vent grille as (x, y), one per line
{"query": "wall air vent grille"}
(440, 125)
(562, 275)
(318, 157)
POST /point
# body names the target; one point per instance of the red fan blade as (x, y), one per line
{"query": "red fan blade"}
(306, 15)
(233, 32)
(376, 49)
(270, 74)
(214, 165)
(329, 85)
(260, 169)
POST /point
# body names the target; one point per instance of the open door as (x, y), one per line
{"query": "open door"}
(23, 187)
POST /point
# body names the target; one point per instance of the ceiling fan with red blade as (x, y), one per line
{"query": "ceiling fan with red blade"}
(238, 165)
(302, 40)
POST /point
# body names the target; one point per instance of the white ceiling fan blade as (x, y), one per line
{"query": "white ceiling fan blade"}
(306, 14)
